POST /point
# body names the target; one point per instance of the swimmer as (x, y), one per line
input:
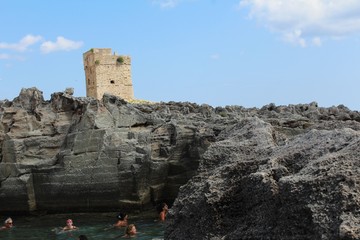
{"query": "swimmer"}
(122, 220)
(163, 212)
(7, 224)
(69, 225)
(130, 231)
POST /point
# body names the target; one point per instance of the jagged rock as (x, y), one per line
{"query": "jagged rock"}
(82, 154)
(279, 172)
(251, 186)
(69, 91)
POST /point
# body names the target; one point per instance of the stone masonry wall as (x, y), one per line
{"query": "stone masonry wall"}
(104, 74)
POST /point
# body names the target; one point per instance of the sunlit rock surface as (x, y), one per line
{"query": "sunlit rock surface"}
(275, 173)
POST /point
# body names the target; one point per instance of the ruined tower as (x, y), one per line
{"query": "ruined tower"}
(107, 73)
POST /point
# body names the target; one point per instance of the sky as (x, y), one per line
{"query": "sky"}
(217, 52)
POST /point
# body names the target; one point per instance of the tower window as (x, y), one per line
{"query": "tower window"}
(88, 81)
(112, 81)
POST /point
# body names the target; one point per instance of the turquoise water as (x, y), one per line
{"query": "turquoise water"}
(94, 226)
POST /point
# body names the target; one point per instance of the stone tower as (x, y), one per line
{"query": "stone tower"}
(107, 73)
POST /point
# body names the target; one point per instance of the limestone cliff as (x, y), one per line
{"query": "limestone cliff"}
(279, 172)
(80, 154)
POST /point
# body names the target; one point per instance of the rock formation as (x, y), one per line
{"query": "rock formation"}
(80, 154)
(275, 173)
(279, 172)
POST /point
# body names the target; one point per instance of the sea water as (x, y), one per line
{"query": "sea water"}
(94, 226)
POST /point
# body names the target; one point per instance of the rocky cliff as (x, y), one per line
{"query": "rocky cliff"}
(80, 154)
(279, 172)
(275, 173)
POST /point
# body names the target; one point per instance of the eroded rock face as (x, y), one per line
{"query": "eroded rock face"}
(287, 173)
(80, 154)
(279, 172)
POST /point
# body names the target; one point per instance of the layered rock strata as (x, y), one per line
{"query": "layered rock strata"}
(80, 154)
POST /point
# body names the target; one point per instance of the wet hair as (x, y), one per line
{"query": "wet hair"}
(160, 207)
(129, 228)
(8, 220)
(83, 237)
(121, 216)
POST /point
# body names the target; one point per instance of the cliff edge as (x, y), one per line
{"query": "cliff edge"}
(279, 172)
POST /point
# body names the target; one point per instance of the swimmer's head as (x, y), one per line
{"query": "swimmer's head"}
(161, 207)
(69, 221)
(130, 230)
(121, 216)
(8, 221)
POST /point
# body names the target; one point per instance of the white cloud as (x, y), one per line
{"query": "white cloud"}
(61, 44)
(317, 41)
(295, 37)
(307, 21)
(23, 44)
(167, 3)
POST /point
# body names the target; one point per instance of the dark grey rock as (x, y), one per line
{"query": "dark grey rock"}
(279, 172)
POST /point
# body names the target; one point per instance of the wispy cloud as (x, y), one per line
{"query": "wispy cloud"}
(167, 3)
(4, 56)
(307, 22)
(23, 44)
(215, 56)
(61, 44)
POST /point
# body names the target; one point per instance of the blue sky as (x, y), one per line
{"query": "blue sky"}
(219, 52)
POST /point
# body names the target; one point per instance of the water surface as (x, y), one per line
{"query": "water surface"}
(94, 226)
